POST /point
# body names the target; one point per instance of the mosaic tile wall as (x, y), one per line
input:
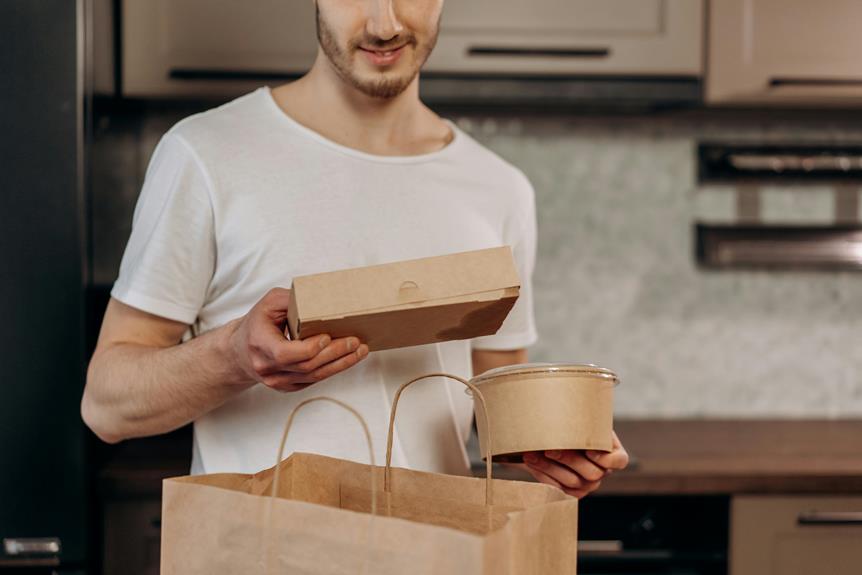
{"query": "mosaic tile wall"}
(617, 283)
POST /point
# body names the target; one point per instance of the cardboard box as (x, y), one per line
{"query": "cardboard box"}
(538, 407)
(400, 304)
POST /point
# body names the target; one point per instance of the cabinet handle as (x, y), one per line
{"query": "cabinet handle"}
(824, 82)
(808, 163)
(829, 518)
(31, 546)
(214, 74)
(604, 547)
(595, 52)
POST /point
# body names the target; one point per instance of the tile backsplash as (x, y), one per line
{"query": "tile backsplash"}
(617, 283)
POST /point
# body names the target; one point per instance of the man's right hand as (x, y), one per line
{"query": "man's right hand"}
(263, 353)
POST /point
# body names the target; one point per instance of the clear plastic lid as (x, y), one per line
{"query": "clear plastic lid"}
(587, 369)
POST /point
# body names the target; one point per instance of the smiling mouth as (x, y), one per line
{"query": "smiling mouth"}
(383, 58)
(383, 53)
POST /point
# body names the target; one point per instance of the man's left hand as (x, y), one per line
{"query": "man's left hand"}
(576, 472)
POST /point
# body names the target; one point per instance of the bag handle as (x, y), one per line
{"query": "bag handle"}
(387, 480)
(267, 565)
(359, 418)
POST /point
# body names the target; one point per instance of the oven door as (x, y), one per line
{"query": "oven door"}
(653, 535)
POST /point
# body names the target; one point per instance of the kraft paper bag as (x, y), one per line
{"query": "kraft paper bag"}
(318, 515)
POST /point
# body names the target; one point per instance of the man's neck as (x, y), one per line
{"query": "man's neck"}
(399, 126)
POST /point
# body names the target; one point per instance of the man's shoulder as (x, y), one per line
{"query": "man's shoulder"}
(233, 122)
(492, 167)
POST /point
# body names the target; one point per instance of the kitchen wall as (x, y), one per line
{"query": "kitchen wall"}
(616, 281)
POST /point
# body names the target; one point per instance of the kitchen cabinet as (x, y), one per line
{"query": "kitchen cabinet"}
(200, 47)
(132, 541)
(129, 493)
(174, 48)
(571, 37)
(792, 535)
(791, 52)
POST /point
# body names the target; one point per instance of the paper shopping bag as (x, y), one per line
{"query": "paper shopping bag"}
(318, 515)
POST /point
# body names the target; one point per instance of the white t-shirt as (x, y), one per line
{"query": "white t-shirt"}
(242, 198)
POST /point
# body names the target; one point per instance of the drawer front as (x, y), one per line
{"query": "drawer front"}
(796, 535)
(752, 59)
(571, 37)
(132, 540)
(169, 44)
(550, 16)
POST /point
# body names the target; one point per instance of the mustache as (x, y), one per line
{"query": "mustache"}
(374, 43)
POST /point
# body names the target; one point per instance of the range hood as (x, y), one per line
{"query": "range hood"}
(755, 243)
(780, 247)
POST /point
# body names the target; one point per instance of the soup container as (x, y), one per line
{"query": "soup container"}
(543, 406)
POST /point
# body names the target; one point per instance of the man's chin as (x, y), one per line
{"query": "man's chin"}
(384, 86)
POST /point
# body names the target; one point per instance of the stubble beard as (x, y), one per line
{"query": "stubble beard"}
(383, 87)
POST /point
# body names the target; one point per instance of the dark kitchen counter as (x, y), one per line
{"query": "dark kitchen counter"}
(672, 457)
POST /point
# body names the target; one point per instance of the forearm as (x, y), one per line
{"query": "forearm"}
(135, 390)
(484, 360)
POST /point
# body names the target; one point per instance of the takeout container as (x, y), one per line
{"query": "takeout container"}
(406, 303)
(538, 407)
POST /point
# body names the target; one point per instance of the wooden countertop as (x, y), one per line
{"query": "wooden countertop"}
(734, 457)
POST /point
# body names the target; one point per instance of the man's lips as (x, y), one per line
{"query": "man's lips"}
(383, 57)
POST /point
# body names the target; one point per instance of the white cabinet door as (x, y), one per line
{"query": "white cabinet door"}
(795, 535)
(785, 51)
(199, 47)
(183, 47)
(564, 37)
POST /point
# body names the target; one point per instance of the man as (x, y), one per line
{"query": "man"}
(341, 168)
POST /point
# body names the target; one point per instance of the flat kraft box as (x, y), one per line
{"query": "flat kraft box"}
(412, 302)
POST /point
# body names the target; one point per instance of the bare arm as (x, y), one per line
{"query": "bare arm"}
(143, 381)
(484, 359)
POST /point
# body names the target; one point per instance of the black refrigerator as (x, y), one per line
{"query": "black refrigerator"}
(43, 500)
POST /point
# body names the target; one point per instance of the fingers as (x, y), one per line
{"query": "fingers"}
(336, 349)
(339, 365)
(294, 379)
(547, 477)
(569, 469)
(262, 353)
(543, 477)
(567, 478)
(618, 458)
(578, 462)
(284, 353)
(284, 364)
(578, 473)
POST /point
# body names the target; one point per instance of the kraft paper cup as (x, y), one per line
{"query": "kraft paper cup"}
(538, 407)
